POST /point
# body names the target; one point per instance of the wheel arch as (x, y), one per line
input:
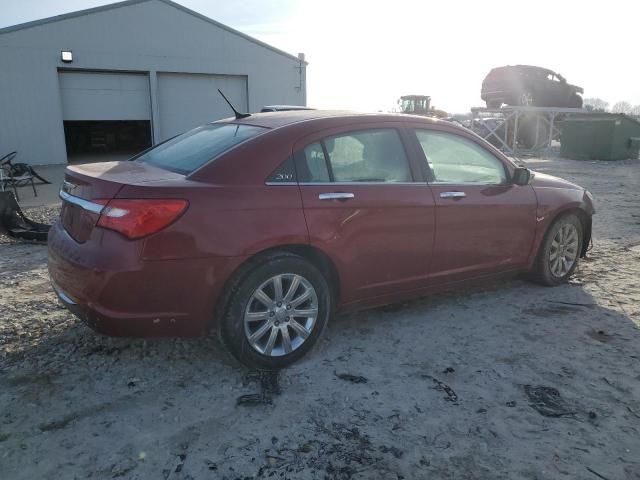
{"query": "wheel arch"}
(585, 220)
(314, 255)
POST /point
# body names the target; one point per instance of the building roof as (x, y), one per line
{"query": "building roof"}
(127, 3)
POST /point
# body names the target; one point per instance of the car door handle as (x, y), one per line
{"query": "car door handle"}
(453, 195)
(336, 196)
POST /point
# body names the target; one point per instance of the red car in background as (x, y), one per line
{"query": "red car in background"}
(263, 227)
(529, 86)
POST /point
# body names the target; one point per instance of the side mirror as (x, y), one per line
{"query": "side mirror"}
(521, 176)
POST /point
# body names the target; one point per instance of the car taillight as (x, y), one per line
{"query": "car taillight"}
(137, 218)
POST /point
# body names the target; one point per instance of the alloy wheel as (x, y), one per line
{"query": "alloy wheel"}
(564, 250)
(281, 314)
(526, 99)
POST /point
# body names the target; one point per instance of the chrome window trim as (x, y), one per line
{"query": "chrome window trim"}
(438, 184)
(470, 184)
(320, 184)
(361, 183)
(81, 202)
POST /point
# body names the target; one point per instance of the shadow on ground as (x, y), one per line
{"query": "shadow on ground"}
(512, 381)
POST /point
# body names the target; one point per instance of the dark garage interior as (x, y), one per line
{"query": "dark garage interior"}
(102, 140)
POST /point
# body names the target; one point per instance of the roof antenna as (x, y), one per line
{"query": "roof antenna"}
(236, 113)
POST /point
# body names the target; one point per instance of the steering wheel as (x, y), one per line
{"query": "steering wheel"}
(7, 158)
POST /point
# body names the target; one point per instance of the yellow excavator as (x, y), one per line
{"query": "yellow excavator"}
(415, 104)
(419, 105)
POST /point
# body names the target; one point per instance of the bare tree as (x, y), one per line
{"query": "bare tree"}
(595, 104)
(622, 107)
(636, 111)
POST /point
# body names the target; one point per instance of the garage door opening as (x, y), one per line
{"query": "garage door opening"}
(105, 140)
(106, 115)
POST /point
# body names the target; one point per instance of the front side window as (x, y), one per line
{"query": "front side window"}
(189, 151)
(456, 160)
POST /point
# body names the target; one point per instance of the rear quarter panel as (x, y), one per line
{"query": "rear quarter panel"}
(225, 220)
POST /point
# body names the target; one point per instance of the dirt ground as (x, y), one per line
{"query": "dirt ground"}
(513, 381)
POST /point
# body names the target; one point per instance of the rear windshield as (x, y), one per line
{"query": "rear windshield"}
(189, 151)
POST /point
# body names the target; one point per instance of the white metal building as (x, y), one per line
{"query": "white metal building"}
(115, 79)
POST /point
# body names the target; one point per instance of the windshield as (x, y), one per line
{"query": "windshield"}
(190, 150)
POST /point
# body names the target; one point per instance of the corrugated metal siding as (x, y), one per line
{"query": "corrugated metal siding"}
(147, 37)
(187, 100)
(105, 96)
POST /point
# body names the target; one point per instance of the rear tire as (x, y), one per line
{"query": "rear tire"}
(526, 99)
(527, 129)
(262, 325)
(559, 252)
(575, 101)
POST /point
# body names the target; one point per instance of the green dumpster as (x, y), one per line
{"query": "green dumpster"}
(599, 136)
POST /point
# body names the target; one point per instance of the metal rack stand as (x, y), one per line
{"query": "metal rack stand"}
(507, 133)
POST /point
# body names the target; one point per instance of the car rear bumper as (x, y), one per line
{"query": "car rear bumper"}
(107, 285)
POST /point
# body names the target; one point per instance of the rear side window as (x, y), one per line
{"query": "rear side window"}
(189, 151)
(311, 164)
(363, 156)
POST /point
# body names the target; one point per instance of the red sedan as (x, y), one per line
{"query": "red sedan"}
(263, 227)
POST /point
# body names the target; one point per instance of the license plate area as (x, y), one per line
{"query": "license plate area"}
(77, 221)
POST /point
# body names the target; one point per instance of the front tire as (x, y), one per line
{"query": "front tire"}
(560, 250)
(275, 311)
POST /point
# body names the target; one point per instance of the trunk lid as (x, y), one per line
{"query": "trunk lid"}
(88, 187)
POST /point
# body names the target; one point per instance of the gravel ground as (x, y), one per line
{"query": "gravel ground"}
(513, 381)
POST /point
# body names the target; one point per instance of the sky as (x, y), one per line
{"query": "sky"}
(364, 54)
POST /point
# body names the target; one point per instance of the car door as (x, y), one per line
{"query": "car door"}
(564, 92)
(366, 208)
(484, 223)
(555, 91)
